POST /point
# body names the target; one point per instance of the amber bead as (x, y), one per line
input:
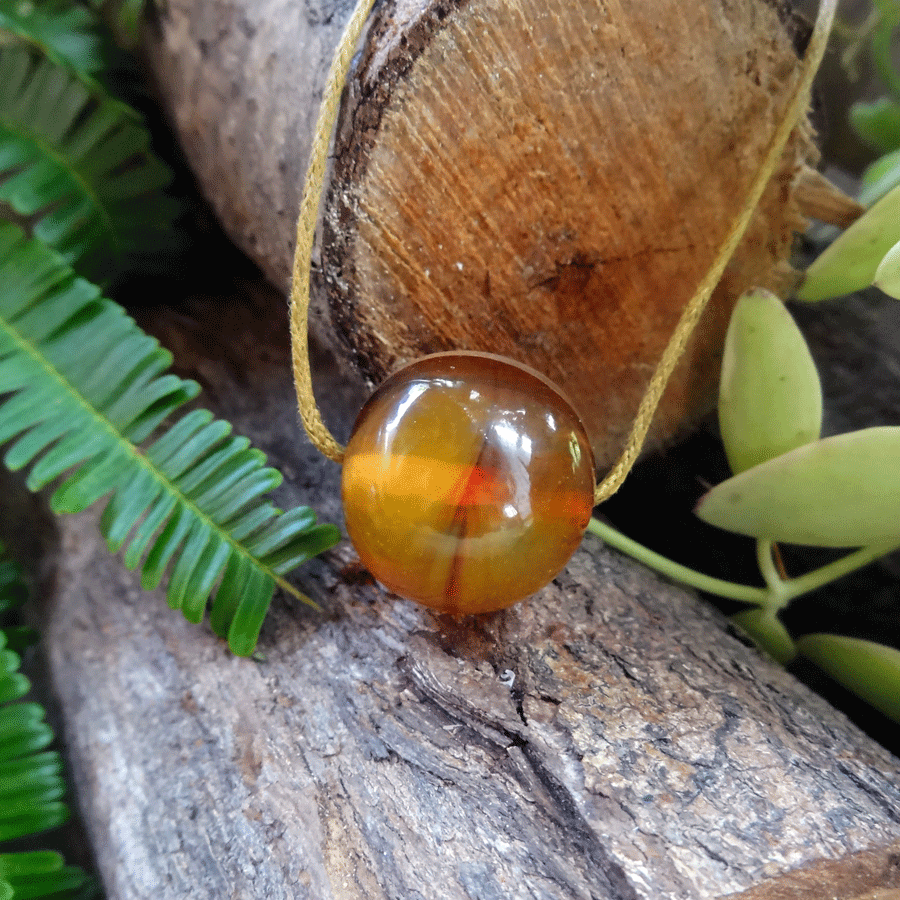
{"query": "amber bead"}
(468, 482)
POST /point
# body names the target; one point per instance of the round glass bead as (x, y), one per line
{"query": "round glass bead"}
(468, 482)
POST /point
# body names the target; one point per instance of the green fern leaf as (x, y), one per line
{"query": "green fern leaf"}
(81, 171)
(62, 884)
(22, 730)
(31, 791)
(66, 33)
(12, 589)
(31, 786)
(41, 873)
(86, 388)
(13, 684)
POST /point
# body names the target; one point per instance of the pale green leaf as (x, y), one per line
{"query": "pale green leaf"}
(849, 264)
(65, 32)
(887, 277)
(841, 491)
(770, 398)
(870, 670)
(879, 178)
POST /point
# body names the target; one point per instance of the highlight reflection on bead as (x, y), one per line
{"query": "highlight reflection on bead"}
(468, 482)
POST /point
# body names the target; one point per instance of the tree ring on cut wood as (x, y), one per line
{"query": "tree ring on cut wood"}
(550, 181)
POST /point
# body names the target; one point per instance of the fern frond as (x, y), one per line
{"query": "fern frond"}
(31, 792)
(13, 684)
(81, 171)
(13, 594)
(66, 33)
(12, 588)
(41, 873)
(31, 785)
(88, 386)
(124, 16)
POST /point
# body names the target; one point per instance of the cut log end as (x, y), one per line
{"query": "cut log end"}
(550, 181)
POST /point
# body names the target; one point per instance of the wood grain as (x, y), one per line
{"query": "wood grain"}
(538, 178)
(550, 181)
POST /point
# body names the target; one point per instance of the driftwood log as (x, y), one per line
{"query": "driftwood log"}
(545, 179)
(610, 738)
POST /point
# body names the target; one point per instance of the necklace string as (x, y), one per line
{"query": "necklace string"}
(315, 427)
(322, 439)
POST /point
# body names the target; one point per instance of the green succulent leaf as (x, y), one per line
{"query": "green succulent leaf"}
(870, 670)
(767, 632)
(81, 172)
(887, 276)
(880, 178)
(841, 491)
(85, 388)
(877, 123)
(770, 398)
(849, 264)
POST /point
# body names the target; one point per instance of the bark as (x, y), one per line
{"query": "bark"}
(544, 179)
(608, 739)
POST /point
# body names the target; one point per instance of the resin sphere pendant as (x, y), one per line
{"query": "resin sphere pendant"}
(468, 482)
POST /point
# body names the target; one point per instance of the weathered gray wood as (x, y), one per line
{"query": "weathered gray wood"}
(608, 738)
(247, 77)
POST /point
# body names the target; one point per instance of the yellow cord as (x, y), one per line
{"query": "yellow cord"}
(692, 312)
(318, 432)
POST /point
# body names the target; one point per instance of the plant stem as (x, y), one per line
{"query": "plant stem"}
(774, 581)
(675, 570)
(803, 584)
(778, 592)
